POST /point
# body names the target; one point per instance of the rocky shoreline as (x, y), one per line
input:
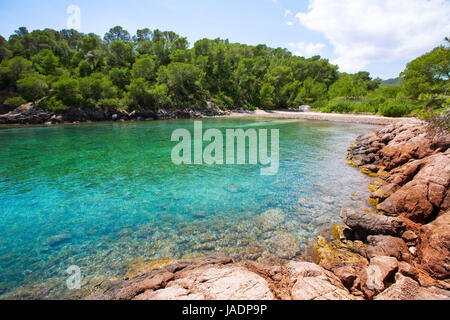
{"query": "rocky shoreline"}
(29, 114)
(399, 252)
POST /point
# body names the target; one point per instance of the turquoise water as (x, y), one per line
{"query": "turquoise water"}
(100, 195)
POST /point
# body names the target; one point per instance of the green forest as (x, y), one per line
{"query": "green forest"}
(60, 70)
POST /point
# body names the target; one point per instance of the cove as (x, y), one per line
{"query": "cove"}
(106, 197)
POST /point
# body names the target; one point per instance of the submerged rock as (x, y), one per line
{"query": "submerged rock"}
(283, 244)
(340, 251)
(269, 219)
(58, 239)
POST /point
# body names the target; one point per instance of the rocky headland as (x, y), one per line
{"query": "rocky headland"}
(400, 251)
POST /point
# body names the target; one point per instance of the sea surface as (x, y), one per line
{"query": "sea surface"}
(106, 197)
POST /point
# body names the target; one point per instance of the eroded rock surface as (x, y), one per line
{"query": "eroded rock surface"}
(421, 198)
(229, 282)
(434, 249)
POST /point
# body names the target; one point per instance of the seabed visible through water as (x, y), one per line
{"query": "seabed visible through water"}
(106, 197)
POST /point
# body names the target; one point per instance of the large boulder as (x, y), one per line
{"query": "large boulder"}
(392, 145)
(312, 282)
(26, 114)
(434, 247)
(407, 145)
(379, 272)
(365, 224)
(424, 195)
(350, 274)
(216, 282)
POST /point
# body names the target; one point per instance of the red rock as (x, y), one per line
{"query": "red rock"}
(434, 247)
(312, 282)
(379, 271)
(156, 282)
(410, 237)
(213, 282)
(387, 246)
(424, 195)
(347, 272)
(406, 288)
(408, 270)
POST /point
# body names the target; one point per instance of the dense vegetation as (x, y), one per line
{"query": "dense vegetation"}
(158, 69)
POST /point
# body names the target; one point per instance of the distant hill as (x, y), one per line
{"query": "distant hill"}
(391, 82)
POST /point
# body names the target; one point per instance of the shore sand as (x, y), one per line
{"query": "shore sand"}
(285, 114)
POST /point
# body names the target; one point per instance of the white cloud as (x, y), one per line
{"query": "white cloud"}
(287, 13)
(367, 31)
(289, 23)
(305, 49)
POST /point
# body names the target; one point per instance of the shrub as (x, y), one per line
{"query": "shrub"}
(32, 88)
(67, 91)
(394, 109)
(437, 120)
(341, 106)
(111, 104)
(15, 101)
(53, 104)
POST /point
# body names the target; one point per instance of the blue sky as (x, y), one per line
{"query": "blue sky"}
(379, 36)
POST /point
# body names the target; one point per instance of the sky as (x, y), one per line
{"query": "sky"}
(379, 36)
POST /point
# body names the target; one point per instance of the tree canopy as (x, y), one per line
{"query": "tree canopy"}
(155, 68)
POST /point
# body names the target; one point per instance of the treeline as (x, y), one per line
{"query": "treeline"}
(158, 69)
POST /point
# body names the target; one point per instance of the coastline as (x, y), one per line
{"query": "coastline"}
(28, 114)
(337, 117)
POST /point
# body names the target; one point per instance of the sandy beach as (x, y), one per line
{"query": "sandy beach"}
(278, 114)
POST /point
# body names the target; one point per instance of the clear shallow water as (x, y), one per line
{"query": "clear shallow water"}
(101, 195)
